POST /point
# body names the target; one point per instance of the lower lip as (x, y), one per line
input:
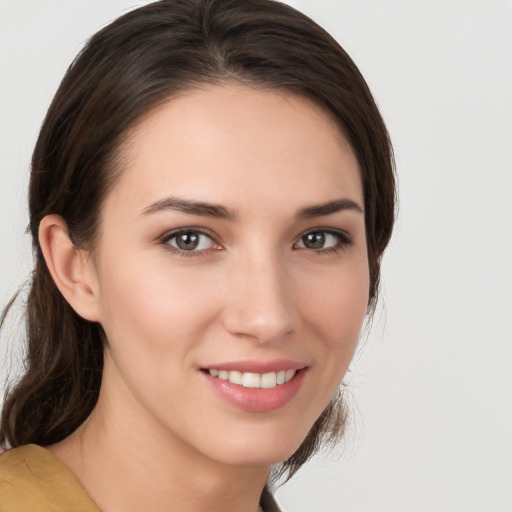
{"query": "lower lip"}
(257, 399)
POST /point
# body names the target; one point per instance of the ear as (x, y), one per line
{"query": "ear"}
(72, 269)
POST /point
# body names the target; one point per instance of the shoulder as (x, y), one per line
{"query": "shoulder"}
(19, 490)
(34, 480)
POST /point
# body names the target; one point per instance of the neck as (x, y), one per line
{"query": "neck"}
(128, 463)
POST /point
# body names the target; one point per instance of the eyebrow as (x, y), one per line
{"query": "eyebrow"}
(221, 212)
(329, 208)
(190, 207)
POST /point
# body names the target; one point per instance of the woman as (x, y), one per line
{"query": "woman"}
(211, 194)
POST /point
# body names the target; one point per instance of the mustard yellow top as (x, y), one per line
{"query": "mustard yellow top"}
(33, 480)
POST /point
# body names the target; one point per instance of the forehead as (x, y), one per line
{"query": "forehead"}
(240, 146)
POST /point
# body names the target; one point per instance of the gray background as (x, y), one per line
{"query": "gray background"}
(432, 383)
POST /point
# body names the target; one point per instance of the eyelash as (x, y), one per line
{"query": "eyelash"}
(186, 254)
(344, 240)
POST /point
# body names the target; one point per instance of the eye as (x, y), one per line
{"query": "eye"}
(189, 240)
(323, 241)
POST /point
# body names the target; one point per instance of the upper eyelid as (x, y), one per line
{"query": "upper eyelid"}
(217, 239)
(175, 232)
(169, 235)
(333, 231)
(344, 241)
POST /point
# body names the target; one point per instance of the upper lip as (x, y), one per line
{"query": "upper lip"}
(254, 366)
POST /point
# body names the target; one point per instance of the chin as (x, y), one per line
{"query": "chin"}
(258, 457)
(264, 448)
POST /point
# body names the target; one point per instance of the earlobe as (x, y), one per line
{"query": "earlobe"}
(72, 269)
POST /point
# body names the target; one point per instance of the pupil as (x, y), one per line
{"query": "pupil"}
(314, 240)
(187, 241)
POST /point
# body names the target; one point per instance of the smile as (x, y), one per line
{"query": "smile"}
(254, 380)
(256, 387)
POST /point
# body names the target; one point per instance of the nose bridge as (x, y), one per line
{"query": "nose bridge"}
(261, 299)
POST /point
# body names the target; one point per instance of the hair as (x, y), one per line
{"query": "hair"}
(123, 73)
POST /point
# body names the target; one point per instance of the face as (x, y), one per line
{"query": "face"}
(231, 272)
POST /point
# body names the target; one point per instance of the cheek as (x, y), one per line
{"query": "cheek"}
(154, 309)
(336, 308)
(337, 305)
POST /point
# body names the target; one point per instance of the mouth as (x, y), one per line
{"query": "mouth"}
(254, 380)
(256, 387)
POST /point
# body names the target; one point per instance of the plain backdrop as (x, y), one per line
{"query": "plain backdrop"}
(432, 382)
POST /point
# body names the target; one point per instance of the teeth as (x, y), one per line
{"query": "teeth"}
(254, 380)
(289, 374)
(251, 380)
(235, 377)
(269, 380)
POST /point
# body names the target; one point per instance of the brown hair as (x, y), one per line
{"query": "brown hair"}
(125, 71)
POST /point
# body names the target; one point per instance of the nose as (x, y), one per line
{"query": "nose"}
(260, 303)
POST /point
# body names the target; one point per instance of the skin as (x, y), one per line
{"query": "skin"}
(159, 436)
